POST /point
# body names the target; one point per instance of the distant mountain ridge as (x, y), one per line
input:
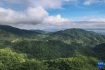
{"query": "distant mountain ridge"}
(4, 35)
(77, 35)
(17, 31)
(39, 31)
(68, 35)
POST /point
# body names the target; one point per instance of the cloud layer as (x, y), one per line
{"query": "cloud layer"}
(43, 3)
(35, 15)
(38, 18)
(31, 15)
(88, 2)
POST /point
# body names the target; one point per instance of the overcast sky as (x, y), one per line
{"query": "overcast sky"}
(44, 14)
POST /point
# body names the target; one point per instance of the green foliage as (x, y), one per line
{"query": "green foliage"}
(17, 31)
(8, 58)
(30, 65)
(100, 51)
(74, 63)
(7, 35)
(71, 49)
(44, 50)
(78, 36)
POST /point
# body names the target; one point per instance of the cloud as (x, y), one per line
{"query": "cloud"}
(43, 3)
(38, 18)
(56, 19)
(97, 19)
(31, 16)
(85, 24)
(74, 24)
(35, 16)
(88, 2)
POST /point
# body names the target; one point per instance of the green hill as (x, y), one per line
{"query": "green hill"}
(100, 51)
(4, 35)
(78, 36)
(17, 31)
(71, 49)
(44, 50)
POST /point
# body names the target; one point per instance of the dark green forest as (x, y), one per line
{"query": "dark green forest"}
(70, 49)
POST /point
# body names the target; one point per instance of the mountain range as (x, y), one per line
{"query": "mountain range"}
(70, 49)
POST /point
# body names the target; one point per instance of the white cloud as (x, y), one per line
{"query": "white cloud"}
(88, 2)
(35, 16)
(56, 19)
(97, 19)
(91, 22)
(78, 24)
(43, 3)
(38, 18)
(31, 16)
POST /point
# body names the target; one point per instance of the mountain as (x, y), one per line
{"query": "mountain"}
(77, 36)
(4, 35)
(43, 50)
(39, 31)
(17, 31)
(60, 44)
(70, 49)
(100, 51)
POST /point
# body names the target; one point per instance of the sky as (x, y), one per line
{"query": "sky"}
(52, 14)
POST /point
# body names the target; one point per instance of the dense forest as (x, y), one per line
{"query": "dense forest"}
(71, 49)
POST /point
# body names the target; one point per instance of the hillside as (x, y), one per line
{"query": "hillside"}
(4, 35)
(71, 49)
(78, 36)
(39, 31)
(17, 31)
(100, 51)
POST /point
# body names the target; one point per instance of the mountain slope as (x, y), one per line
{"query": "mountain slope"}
(4, 35)
(44, 50)
(17, 31)
(77, 36)
(100, 51)
(71, 49)
(39, 31)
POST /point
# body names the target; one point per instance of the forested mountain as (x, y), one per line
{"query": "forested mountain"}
(39, 31)
(100, 51)
(4, 35)
(71, 49)
(44, 50)
(17, 31)
(77, 36)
